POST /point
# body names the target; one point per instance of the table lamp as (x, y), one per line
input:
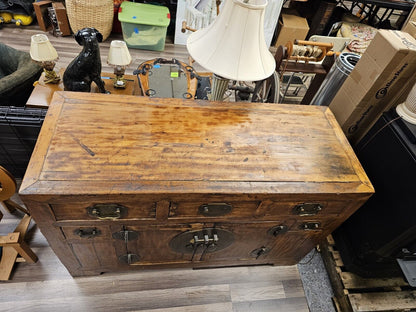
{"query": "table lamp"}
(42, 51)
(119, 57)
(233, 46)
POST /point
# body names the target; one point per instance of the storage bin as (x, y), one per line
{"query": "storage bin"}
(144, 26)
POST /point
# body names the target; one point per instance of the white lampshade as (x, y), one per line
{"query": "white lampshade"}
(119, 54)
(407, 110)
(41, 49)
(233, 46)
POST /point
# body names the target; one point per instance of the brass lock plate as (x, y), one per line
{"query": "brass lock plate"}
(126, 235)
(129, 258)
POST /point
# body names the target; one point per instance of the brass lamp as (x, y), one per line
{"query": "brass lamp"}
(119, 57)
(233, 46)
(42, 51)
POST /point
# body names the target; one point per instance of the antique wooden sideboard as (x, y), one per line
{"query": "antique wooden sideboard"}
(117, 182)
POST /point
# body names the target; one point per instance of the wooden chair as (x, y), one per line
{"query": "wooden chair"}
(13, 244)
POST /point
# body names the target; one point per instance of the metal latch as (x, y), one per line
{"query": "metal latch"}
(129, 258)
(126, 235)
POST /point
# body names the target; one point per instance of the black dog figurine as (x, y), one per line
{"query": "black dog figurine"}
(86, 67)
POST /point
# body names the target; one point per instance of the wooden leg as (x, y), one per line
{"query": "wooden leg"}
(15, 240)
(10, 253)
(10, 209)
(12, 206)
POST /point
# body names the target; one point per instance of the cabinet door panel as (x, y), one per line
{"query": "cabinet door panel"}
(95, 254)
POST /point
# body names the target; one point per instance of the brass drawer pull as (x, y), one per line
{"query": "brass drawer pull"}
(215, 209)
(106, 211)
(87, 233)
(307, 209)
(258, 252)
(277, 230)
(310, 226)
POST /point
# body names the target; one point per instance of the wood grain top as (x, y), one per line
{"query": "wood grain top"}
(104, 144)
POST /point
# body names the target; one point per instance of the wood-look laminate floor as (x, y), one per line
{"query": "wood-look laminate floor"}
(47, 286)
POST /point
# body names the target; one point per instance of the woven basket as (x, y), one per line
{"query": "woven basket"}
(91, 13)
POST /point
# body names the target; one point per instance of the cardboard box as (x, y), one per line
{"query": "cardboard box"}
(41, 10)
(410, 28)
(381, 80)
(291, 27)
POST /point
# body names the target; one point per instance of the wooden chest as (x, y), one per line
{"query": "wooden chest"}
(123, 182)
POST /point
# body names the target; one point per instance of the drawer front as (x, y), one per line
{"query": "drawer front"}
(213, 207)
(202, 207)
(84, 233)
(225, 208)
(104, 209)
(305, 208)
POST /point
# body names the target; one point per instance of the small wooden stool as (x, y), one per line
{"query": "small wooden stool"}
(13, 244)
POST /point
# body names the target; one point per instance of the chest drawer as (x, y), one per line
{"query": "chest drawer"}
(231, 208)
(104, 209)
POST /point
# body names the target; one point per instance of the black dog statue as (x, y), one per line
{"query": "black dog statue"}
(86, 67)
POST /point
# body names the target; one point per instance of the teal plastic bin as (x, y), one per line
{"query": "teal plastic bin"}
(144, 26)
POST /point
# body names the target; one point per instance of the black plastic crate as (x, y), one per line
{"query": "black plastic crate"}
(19, 130)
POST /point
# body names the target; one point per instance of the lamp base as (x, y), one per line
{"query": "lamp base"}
(119, 82)
(51, 76)
(219, 86)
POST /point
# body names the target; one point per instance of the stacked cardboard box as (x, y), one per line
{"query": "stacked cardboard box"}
(291, 27)
(381, 80)
(409, 25)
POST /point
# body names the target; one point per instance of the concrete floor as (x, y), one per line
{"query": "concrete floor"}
(318, 289)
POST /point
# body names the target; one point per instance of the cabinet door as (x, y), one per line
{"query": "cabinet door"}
(221, 243)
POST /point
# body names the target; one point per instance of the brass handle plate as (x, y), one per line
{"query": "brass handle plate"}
(215, 209)
(106, 211)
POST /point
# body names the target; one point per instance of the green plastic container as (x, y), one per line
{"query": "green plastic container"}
(144, 26)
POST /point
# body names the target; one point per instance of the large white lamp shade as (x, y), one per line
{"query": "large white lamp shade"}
(233, 46)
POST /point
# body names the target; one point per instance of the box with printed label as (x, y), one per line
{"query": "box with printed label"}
(381, 80)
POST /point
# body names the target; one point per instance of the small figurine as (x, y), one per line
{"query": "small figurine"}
(86, 67)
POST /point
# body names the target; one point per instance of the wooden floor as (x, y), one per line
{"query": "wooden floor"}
(47, 286)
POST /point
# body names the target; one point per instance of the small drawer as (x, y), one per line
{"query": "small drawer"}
(104, 210)
(86, 232)
(213, 208)
(306, 208)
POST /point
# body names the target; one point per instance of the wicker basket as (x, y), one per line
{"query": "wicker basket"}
(91, 13)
